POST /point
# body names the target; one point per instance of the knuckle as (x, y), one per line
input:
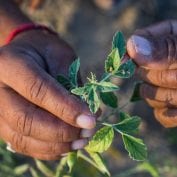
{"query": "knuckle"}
(61, 132)
(171, 23)
(37, 89)
(24, 121)
(68, 133)
(171, 45)
(19, 142)
(71, 135)
(54, 148)
(171, 97)
(175, 77)
(57, 148)
(161, 77)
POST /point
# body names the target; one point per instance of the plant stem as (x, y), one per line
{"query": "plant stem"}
(126, 173)
(124, 105)
(60, 167)
(107, 116)
(106, 77)
(113, 112)
(87, 159)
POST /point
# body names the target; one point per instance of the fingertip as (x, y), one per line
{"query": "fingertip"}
(166, 117)
(79, 144)
(85, 133)
(139, 49)
(86, 121)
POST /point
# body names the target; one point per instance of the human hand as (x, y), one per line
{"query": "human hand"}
(154, 49)
(38, 117)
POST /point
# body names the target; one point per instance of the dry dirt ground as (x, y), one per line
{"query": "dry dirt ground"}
(90, 32)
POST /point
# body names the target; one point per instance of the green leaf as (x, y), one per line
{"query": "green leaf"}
(20, 170)
(93, 100)
(64, 81)
(79, 91)
(71, 160)
(109, 99)
(43, 168)
(128, 126)
(126, 70)
(119, 43)
(101, 141)
(60, 169)
(135, 146)
(147, 167)
(73, 72)
(107, 86)
(123, 116)
(136, 93)
(99, 162)
(113, 61)
(34, 173)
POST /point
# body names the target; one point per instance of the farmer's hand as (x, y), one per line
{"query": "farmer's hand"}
(38, 117)
(154, 49)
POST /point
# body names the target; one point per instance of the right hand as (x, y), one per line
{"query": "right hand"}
(154, 49)
(38, 117)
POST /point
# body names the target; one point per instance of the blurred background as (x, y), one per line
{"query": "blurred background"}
(88, 26)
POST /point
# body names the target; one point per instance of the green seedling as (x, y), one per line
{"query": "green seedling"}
(94, 92)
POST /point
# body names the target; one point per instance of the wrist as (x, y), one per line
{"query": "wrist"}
(37, 36)
(6, 30)
(26, 28)
(11, 17)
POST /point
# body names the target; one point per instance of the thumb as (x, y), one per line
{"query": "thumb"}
(153, 52)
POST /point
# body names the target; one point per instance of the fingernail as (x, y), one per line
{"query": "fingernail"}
(142, 45)
(87, 133)
(79, 144)
(86, 121)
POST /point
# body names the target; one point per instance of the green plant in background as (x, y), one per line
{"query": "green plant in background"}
(94, 92)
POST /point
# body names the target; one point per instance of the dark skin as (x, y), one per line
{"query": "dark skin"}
(157, 63)
(39, 118)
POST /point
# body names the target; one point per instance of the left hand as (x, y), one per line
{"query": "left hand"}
(154, 49)
(39, 117)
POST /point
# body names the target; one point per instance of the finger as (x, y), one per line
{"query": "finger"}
(30, 120)
(25, 144)
(27, 78)
(159, 104)
(47, 157)
(39, 156)
(167, 117)
(162, 78)
(168, 27)
(153, 51)
(169, 96)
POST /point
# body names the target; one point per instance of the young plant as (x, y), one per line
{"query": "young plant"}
(94, 92)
